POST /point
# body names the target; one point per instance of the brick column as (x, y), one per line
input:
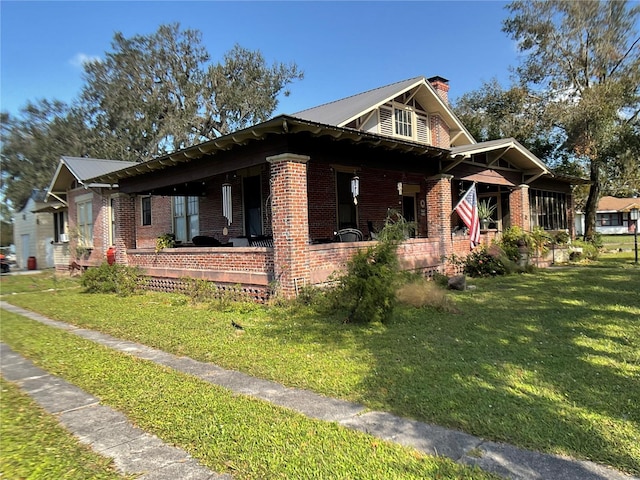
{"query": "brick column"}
(290, 222)
(519, 207)
(439, 207)
(125, 217)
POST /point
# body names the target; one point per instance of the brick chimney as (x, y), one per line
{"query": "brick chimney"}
(441, 86)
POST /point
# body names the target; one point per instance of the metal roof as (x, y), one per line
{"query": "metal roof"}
(82, 170)
(86, 168)
(341, 111)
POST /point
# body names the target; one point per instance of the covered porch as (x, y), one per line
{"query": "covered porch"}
(269, 200)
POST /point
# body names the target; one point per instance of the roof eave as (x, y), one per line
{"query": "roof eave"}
(279, 125)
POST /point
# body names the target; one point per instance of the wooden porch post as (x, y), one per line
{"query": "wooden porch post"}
(290, 222)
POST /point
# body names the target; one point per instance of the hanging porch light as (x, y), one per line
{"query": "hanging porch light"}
(227, 207)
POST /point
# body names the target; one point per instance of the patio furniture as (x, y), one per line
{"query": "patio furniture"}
(349, 235)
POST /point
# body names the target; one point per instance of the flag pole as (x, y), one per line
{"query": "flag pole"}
(462, 198)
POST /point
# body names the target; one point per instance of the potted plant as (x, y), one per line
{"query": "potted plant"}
(485, 213)
(167, 240)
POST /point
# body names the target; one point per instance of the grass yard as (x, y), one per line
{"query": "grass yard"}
(34, 445)
(615, 242)
(548, 361)
(229, 433)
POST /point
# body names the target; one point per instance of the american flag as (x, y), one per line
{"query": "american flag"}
(467, 210)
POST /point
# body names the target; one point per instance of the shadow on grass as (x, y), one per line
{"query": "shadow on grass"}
(547, 361)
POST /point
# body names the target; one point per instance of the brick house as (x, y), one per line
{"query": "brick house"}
(261, 207)
(82, 211)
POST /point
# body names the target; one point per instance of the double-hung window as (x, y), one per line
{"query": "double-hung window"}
(85, 223)
(403, 121)
(186, 224)
(145, 207)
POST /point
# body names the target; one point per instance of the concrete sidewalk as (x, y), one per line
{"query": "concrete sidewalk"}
(505, 460)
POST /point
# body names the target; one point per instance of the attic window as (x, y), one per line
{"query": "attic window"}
(403, 122)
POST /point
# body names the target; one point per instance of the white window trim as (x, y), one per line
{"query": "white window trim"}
(414, 114)
(84, 240)
(412, 120)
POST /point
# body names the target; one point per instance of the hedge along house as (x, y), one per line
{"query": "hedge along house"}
(261, 207)
(82, 210)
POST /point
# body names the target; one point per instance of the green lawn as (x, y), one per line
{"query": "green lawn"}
(614, 242)
(229, 433)
(33, 444)
(548, 361)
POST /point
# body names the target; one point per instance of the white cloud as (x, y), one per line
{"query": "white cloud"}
(79, 59)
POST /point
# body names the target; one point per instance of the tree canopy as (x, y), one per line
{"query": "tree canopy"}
(582, 60)
(150, 95)
(160, 93)
(575, 101)
(32, 144)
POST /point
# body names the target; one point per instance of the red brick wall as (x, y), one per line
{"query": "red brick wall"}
(101, 223)
(416, 254)
(290, 221)
(322, 200)
(125, 214)
(378, 193)
(440, 135)
(161, 221)
(519, 207)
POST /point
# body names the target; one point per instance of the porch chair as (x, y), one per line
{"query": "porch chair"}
(349, 235)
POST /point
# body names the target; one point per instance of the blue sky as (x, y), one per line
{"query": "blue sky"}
(343, 47)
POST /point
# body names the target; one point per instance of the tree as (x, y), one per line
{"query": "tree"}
(32, 144)
(151, 95)
(491, 113)
(584, 59)
(157, 93)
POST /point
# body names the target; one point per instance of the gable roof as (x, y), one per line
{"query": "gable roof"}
(509, 149)
(614, 204)
(342, 112)
(82, 169)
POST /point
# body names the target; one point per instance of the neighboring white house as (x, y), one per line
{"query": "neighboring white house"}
(612, 216)
(33, 233)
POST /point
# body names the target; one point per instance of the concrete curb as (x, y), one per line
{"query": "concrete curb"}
(505, 460)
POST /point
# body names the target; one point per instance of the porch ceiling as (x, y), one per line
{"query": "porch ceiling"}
(490, 177)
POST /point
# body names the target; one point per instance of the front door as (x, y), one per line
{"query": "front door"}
(252, 206)
(25, 240)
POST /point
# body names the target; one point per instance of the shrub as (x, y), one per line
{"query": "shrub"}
(513, 238)
(561, 238)
(199, 290)
(541, 240)
(589, 251)
(115, 278)
(481, 263)
(368, 289)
